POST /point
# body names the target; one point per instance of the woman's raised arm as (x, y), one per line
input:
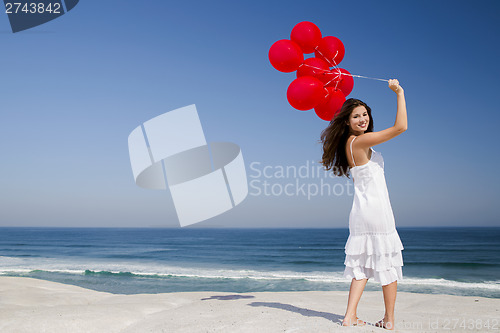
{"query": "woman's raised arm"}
(400, 125)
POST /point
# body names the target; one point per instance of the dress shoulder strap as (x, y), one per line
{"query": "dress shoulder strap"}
(352, 156)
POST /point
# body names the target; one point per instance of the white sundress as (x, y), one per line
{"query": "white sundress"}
(373, 249)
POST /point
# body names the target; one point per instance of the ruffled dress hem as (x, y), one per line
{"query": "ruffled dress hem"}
(375, 255)
(382, 277)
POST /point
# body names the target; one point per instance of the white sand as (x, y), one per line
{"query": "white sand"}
(31, 305)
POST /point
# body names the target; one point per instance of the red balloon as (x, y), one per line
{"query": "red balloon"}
(305, 93)
(338, 79)
(331, 49)
(315, 67)
(285, 55)
(307, 35)
(331, 104)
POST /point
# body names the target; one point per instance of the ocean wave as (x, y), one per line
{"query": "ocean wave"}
(320, 277)
(23, 266)
(451, 264)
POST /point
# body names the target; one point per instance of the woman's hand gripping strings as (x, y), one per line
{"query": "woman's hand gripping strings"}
(394, 85)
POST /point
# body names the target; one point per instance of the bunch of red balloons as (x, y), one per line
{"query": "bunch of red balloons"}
(317, 85)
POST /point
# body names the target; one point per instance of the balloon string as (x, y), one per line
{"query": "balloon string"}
(366, 77)
(317, 49)
(335, 78)
(340, 73)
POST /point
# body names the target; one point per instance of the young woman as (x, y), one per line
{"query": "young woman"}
(373, 249)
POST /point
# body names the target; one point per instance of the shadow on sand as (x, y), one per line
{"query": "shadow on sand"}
(303, 311)
(227, 297)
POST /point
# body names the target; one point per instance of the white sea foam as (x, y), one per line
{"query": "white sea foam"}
(16, 265)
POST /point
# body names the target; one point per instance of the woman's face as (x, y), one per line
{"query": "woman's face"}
(359, 120)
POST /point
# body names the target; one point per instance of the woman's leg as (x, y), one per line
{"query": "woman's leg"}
(355, 292)
(390, 291)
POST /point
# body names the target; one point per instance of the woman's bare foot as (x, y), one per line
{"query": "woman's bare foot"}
(353, 321)
(386, 323)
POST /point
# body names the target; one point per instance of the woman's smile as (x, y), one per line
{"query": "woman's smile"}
(362, 125)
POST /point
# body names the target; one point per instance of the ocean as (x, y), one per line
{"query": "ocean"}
(454, 261)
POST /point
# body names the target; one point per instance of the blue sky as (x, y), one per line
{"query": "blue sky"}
(74, 88)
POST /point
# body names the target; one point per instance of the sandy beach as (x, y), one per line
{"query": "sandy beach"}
(31, 305)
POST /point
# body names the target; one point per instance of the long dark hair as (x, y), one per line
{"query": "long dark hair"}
(334, 138)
